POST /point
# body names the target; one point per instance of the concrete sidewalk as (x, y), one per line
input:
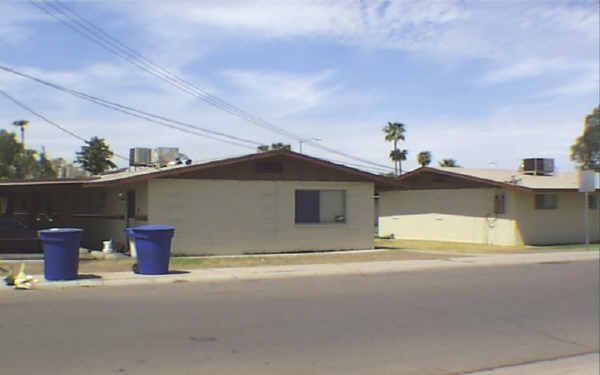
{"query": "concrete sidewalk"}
(308, 270)
(586, 364)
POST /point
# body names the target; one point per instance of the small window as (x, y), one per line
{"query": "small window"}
(546, 201)
(499, 203)
(320, 206)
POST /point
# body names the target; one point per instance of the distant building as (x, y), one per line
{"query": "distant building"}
(64, 170)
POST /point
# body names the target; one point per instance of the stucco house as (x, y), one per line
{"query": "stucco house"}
(487, 206)
(264, 202)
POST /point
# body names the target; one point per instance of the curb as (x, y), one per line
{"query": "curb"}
(313, 270)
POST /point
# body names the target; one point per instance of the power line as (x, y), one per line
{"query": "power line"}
(61, 128)
(77, 136)
(160, 120)
(94, 33)
(128, 54)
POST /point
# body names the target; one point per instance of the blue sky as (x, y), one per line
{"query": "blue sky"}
(484, 82)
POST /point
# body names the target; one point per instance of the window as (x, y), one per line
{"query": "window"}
(499, 203)
(592, 202)
(546, 201)
(4, 205)
(100, 201)
(320, 206)
(50, 203)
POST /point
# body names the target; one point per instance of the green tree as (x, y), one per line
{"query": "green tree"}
(10, 149)
(424, 158)
(449, 163)
(274, 146)
(95, 156)
(586, 149)
(394, 132)
(593, 119)
(47, 169)
(27, 165)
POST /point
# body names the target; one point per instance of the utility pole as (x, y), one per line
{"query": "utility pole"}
(21, 124)
(316, 139)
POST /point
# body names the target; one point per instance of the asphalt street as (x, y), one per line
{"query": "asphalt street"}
(438, 321)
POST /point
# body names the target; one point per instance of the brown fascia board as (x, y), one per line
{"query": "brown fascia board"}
(226, 162)
(424, 170)
(558, 190)
(46, 181)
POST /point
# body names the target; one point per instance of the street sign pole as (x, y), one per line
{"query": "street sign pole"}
(586, 220)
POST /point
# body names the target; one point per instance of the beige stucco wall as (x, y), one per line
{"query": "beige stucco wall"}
(233, 217)
(562, 225)
(466, 215)
(459, 215)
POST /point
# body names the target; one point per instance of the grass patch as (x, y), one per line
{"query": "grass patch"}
(465, 247)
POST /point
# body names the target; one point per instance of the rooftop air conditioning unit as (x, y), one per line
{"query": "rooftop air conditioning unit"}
(162, 156)
(140, 157)
(538, 166)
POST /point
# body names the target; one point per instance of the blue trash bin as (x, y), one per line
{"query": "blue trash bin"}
(153, 246)
(61, 252)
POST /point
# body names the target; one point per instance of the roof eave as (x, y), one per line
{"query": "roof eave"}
(226, 162)
(465, 177)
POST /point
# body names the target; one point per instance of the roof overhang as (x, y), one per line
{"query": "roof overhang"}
(405, 178)
(173, 172)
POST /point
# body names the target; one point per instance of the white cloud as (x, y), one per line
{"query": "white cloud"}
(378, 23)
(321, 17)
(583, 84)
(535, 67)
(292, 93)
(15, 22)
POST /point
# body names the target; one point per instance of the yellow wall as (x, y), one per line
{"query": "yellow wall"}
(233, 217)
(562, 225)
(466, 215)
(459, 215)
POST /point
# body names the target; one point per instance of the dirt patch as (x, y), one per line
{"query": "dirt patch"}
(185, 263)
(316, 258)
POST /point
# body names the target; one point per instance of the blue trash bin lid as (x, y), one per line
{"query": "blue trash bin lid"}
(61, 230)
(59, 233)
(150, 227)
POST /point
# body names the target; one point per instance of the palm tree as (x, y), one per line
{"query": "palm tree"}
(449, 163)
(424, 158)
(394, 132)
(398, 156)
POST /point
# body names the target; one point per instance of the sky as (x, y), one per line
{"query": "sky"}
(484, 82)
